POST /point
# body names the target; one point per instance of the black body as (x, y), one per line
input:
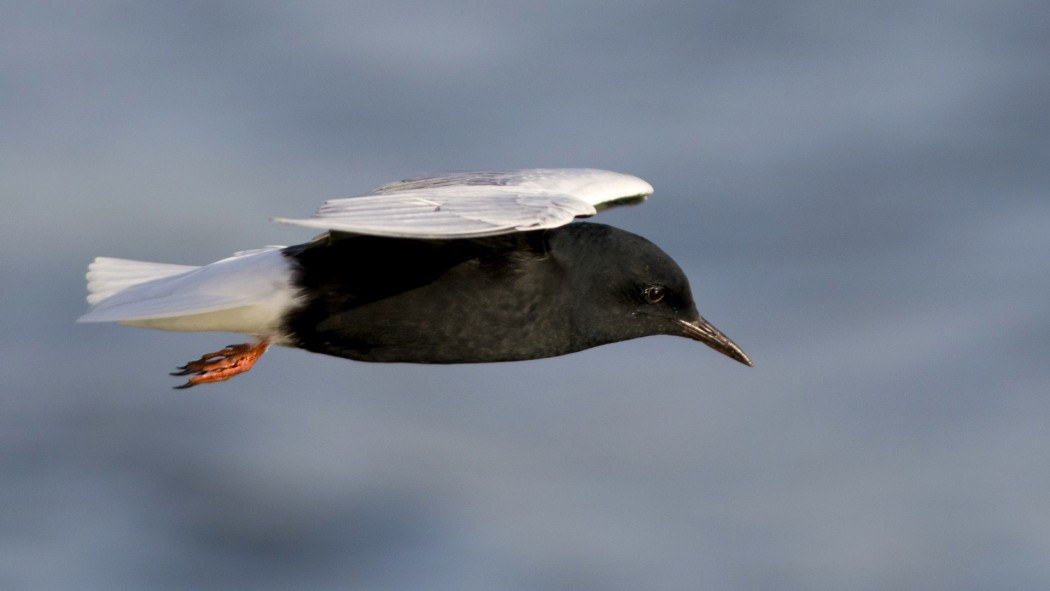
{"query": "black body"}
(516, 296)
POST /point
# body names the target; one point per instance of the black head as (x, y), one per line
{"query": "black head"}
(625, 287)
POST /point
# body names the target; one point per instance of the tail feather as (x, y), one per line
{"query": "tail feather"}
(248, 293)
(107, 276)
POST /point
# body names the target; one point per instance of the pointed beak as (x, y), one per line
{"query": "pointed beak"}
(702, 330)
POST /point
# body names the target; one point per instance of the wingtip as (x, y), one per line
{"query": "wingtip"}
(630, 200)
(89, 317)
(302, 222)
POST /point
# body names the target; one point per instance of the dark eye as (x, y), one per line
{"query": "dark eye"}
(654, 293)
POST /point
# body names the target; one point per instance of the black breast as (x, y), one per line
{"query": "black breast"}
(430, 301)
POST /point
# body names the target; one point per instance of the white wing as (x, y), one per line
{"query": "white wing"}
(473, 204)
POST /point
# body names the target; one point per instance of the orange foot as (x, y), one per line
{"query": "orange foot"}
(221, 365)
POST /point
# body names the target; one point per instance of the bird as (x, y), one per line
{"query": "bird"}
(465, 267)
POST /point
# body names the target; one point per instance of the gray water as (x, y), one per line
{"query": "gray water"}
(859, 194)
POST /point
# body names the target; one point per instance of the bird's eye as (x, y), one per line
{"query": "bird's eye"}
(654, 293)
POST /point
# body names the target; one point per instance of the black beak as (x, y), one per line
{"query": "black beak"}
(707, 334)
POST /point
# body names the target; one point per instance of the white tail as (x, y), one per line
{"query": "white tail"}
(108, 276)
(247, 293)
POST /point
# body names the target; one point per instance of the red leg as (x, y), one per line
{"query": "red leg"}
(221, 365)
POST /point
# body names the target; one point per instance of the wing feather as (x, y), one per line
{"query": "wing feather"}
(478, 204)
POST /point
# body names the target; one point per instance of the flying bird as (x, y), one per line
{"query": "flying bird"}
(459, 268)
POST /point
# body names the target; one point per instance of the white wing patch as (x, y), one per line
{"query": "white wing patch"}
(478, 204)
(434, 213)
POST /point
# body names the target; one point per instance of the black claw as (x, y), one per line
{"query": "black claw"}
(182, 372)
(184, 386)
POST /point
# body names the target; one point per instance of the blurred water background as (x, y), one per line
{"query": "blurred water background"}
(860, 194)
